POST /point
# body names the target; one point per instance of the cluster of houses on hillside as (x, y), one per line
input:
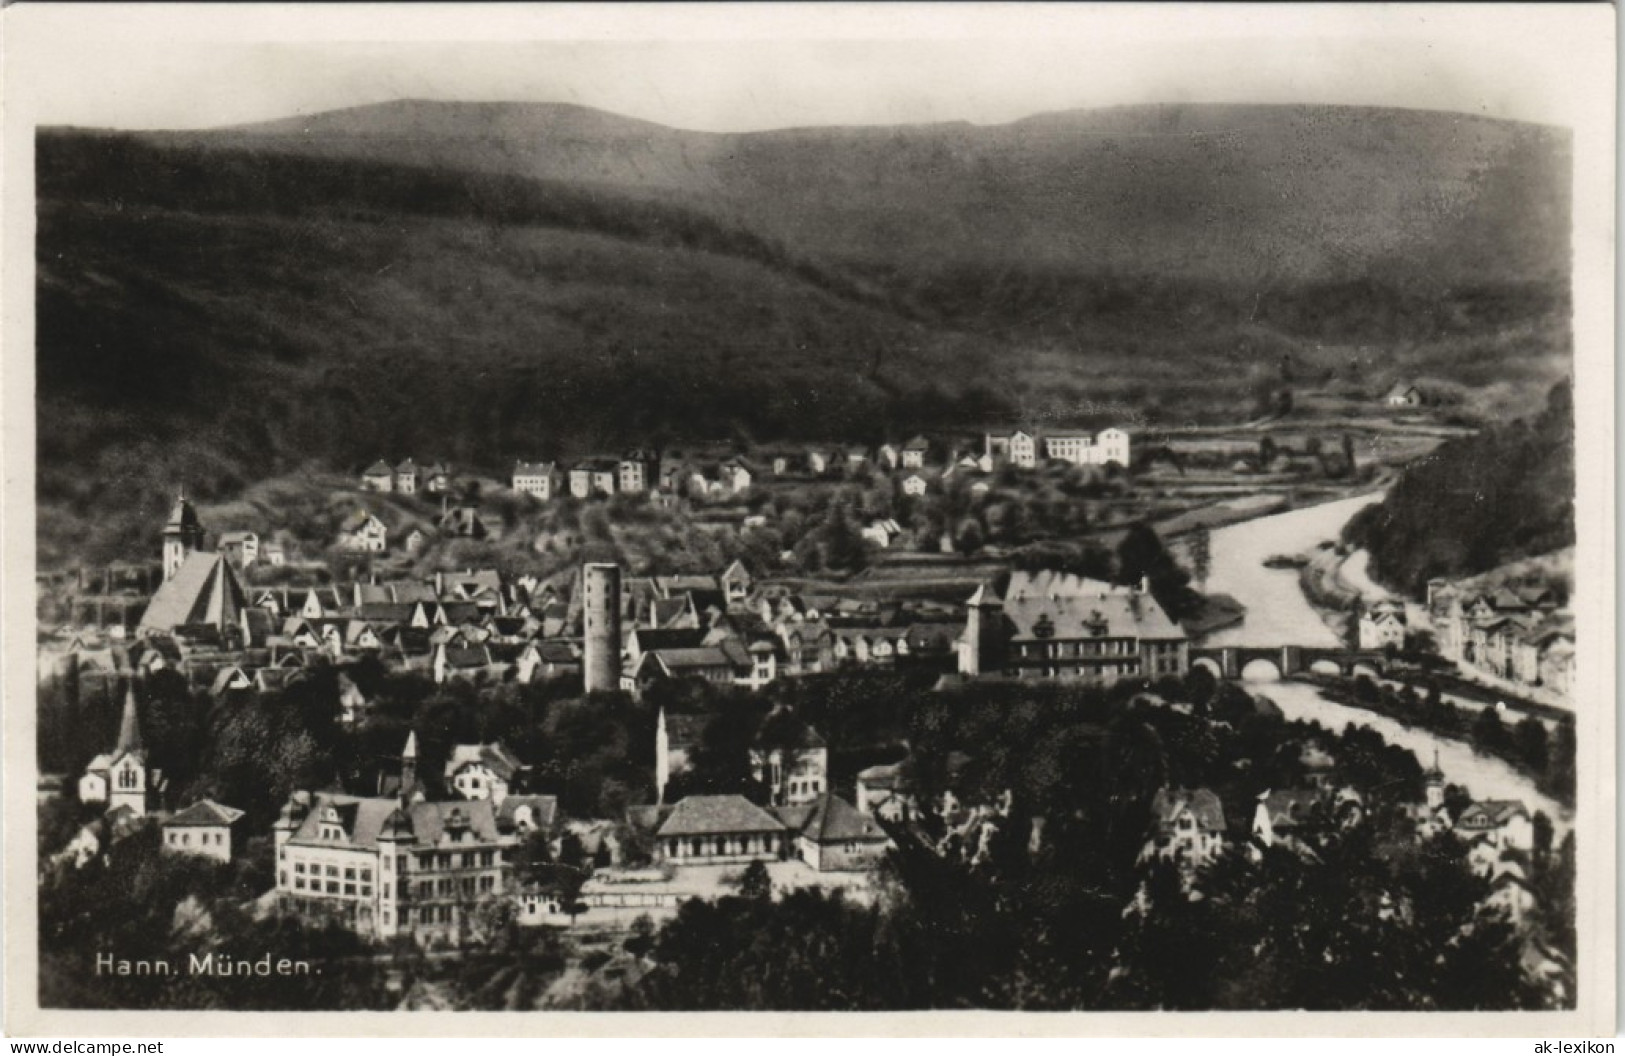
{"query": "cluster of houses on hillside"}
(1520, 633)
(917, 464)
(407, 478)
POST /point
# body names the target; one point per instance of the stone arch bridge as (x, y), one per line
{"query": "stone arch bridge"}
(1229, 661)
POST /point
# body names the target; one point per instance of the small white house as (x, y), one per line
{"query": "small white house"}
(205, 829)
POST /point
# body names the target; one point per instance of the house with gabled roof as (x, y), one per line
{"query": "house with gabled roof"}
(485, 771)
(1187, 827)
(241, 548)
(363, 533)
(1403, 394)
(790, 758)
(378, 477)
(832, 835)
(230, 679)
(1501, 823)
(462, 663)
(406, 477)
(915, 452)
(436, 478)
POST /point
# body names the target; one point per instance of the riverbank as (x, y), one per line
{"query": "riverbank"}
(1546, 761)
(1278, 613)
(1484, 777)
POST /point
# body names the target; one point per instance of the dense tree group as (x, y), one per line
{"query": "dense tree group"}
(1476, 503)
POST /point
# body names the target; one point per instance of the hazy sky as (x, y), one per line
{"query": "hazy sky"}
(753, 67)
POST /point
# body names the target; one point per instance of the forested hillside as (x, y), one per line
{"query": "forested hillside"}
(484, 283)
(1476, 503)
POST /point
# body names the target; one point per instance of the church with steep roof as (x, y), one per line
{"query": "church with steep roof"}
(122, 778)
(200, 588)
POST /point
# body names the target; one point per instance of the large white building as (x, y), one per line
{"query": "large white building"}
(540, 479)
(1023, 449)
(1052, 625)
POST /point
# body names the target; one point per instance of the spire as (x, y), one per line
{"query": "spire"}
(409, 767)
(129, 729)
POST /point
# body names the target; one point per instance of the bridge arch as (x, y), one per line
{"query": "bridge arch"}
(1260, 669)
(1367, 668)
(1210, 665)
(1325, 667)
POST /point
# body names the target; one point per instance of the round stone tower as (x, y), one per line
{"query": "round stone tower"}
(601, 626)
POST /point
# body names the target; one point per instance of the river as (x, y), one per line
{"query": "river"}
(1278, 613)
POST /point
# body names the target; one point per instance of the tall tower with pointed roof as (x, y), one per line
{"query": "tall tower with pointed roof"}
(130, 783)
(1433, 780)
(409, 767)
(129, 727)
(183, 534)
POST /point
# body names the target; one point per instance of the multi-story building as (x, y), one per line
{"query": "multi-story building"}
(635, 470)
(406, 477)
(1021, 448)
(594, 476)
(540, 479)
(1052, 625)
(387, 866)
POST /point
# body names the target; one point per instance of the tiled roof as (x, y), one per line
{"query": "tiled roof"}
(204, 812)
(365, 817)
(689, 659)
(203, 590)
(669, 638)
(883, 775)
(710, 815)
(834, 820)
(379, 468)
(1114, 613)
(543, 809)
(496, 757)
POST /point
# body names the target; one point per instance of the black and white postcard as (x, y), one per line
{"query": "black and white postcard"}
(754, 509)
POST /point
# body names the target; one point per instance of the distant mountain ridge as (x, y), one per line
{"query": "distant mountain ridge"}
(483, 283)
(1220, 191)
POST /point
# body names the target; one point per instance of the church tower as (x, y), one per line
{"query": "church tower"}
(182, 535)
(409, 767)
(128, 779)
(1433, 779)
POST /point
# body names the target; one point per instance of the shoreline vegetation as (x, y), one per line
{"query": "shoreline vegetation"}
(1546, 759)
